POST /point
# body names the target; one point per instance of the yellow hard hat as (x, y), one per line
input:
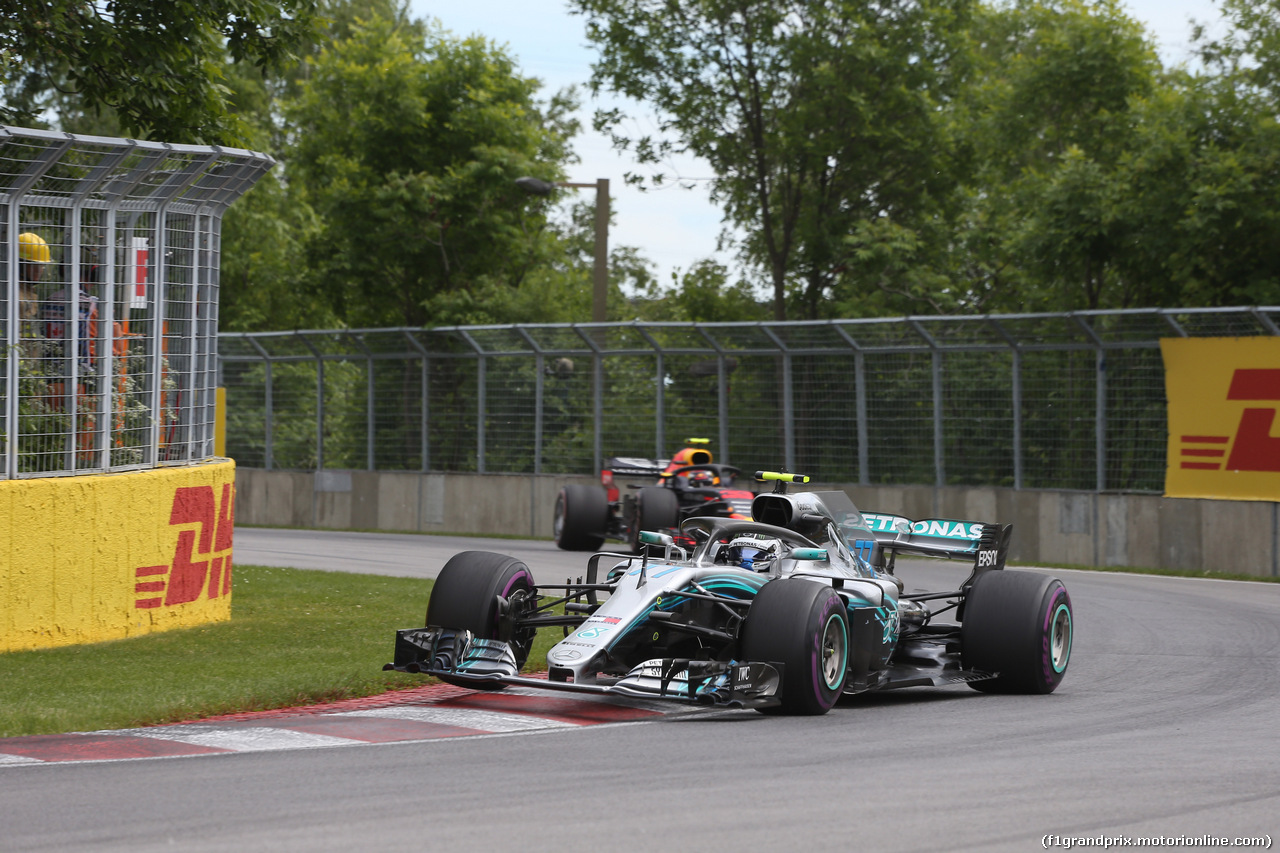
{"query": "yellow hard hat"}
(32, 248)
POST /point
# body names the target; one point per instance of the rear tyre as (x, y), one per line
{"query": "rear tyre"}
(582, 517)
(1020, 625)
(467, 596)
(804, 626)
(656, 508)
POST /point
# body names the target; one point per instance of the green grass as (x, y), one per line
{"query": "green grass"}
(295, 637)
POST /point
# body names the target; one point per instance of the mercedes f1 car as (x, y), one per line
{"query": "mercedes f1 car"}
(690, 484)
(784, 613)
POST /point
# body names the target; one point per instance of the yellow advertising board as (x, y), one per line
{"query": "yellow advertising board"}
(1224, 434)
(93, 558)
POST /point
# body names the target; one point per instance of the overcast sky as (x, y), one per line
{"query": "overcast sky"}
(674, 227)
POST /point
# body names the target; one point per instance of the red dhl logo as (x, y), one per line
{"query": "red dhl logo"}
(1253, 447)
(188, 576)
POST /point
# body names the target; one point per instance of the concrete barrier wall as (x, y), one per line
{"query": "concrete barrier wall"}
(1140, 531)
(93, 558)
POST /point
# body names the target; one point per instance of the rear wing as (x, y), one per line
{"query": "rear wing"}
(987, 545)
(634, 466)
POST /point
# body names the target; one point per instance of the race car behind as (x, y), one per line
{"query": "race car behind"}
(688, 485)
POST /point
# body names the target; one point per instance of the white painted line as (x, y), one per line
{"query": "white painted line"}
(237, 738)
(658, 705)
(485, 721)
(5, 758)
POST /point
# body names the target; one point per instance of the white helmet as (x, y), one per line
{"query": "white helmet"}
(753, 552)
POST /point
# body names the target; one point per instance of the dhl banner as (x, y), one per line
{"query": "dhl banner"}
(93, 558)
(1224, 435)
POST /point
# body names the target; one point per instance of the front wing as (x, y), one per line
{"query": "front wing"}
(459, 657)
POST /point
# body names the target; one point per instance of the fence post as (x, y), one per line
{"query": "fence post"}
(1017, 418)
(722, 405)
(12, 336)
(157, 356)
(481, 411)
(598, 411)
(1100, 438)
(788, 408)
(268, 420)
(319, 400)
(481, 401)
(424, 445)
(660, 413)
(539, 367)
(370, 414)
(864, 435)
(860, 405)
(1100, 402)
(939, 447)
(935, 364)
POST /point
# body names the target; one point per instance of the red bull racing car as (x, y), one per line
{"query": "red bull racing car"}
(689, 485)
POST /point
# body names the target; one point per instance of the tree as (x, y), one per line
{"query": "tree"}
(408, 149)
(158, 67)
(1049, 118)
(815, 116)
(701, 294)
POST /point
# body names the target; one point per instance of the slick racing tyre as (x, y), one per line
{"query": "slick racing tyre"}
(467, 596)
(1017, 624)
(582, 516)
(804, 626)
(656, 508)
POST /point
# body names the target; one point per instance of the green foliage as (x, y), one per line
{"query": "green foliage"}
(702, 294)
(931, 156)
(409, 152)
(1101, 181)
(1049, 121)
(814, 116)
(264, 278)
(158, 68)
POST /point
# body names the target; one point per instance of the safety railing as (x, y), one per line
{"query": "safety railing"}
(1071, 400)
(109, 253)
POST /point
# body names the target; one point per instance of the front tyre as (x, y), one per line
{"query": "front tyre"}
(477, 592)
(581, 518)
(804, 626)
(1020, 625)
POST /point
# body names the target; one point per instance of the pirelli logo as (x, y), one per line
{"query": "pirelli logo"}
(1224, 433)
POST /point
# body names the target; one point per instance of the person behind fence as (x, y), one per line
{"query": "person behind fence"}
(55, 310)
(33, 258)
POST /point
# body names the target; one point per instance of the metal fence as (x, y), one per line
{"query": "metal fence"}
(109, 304)
(1071, 401)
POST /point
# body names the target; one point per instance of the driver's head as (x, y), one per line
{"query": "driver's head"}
(753, 553)
(702, 479)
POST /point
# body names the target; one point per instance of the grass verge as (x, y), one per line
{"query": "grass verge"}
(295, 638)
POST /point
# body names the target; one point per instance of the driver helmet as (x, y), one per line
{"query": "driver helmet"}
(702, 479)
(754, 553)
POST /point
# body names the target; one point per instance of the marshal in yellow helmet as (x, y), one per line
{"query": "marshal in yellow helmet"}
(32, 249)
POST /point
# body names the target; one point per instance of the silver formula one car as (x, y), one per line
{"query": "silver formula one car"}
(783, 613)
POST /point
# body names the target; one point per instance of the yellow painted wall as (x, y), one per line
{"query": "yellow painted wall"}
(93, 558)
(1224, 418)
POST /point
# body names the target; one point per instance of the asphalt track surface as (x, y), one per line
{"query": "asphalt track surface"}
(1165, 726)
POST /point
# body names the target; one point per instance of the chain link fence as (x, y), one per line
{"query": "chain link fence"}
(109, 302)
(1044, 401)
